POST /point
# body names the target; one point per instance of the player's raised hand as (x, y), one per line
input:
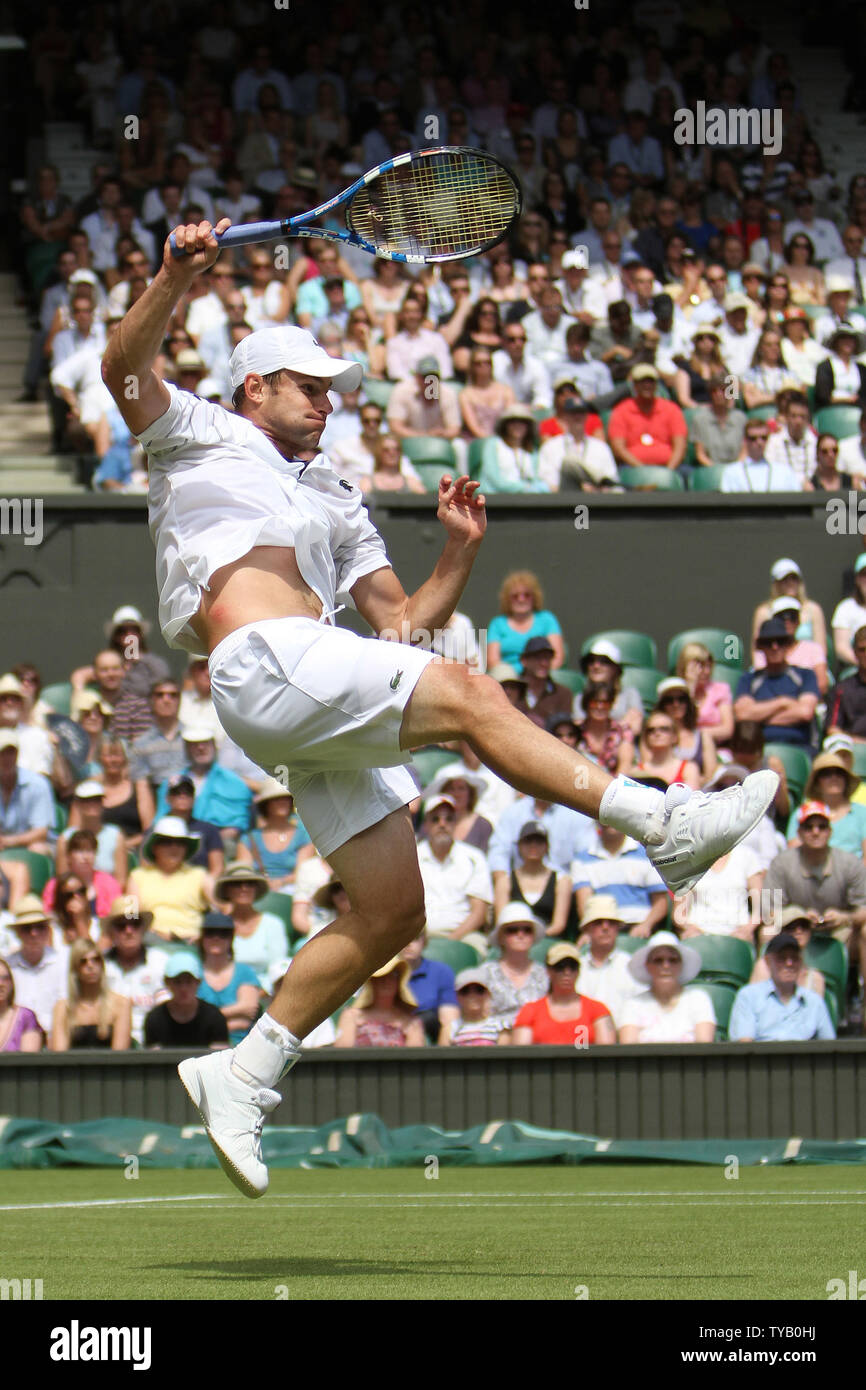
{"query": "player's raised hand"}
(461, 508)
(199, 245)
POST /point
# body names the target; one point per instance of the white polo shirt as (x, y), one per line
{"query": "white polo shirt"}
(449, 883)
(38, 987)
(219, 487)
(143, 985)
(609, 983)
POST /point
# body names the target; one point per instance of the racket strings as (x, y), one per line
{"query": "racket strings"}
(443, 205)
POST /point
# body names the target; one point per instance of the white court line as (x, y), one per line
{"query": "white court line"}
(108, 1202)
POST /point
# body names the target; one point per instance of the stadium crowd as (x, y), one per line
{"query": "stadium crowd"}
(155, 883)
(663, 314)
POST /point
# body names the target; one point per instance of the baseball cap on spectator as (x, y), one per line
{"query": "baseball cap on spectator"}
(600, 907)
(563, 950)
(736, 301)
(438, 799)
(574, 260)
(794, 913)
(217, 921)
(126, 615)
(859, 563)
(88, 791)
(209, 389)
(794, 312)
(813, 808)
(8, 739)
(470, 977)
(644, 371)
(83, 277)
(304, 177)
(10, 685)
(752, 268)
(575, 405)
(838, 743)
(785, 941)
(670, 683)
(706, 330)
(291, 349)
(602, 647)
(782, 568)
(556, 721)
(772, 628)
(630, 257)
(532, 827)
(802, 195)
(535, 646)
(564, 379)
(180, 781)
(785, 604)
(427, 366)
(511, 914)
(182, 963)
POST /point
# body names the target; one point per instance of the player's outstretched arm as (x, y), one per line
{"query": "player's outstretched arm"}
(380, 597)
(127, 366)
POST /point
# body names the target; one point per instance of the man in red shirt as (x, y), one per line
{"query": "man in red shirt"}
(645, 429)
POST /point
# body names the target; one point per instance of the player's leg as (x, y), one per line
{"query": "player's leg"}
(684, 832)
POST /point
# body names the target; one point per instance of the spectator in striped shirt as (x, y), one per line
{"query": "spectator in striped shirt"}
(476, 1026)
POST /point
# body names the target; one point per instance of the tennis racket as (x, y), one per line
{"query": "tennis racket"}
(434, 205)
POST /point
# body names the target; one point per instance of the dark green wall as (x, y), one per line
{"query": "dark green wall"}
(652, 562)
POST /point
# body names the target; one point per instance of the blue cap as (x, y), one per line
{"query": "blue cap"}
(183, 963)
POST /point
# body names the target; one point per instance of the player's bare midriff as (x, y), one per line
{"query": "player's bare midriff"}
(264, 583)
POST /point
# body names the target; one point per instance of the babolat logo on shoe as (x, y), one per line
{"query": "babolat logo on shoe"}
(672, 858)
(395, 680)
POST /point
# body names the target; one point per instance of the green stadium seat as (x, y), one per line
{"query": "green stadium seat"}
(574, 680)
(473, 457)
(725, 647)
(859, 765)
(725, 960)
(797, 765)
(426, 448)
(645, 680)
(762, 412)
(457, 954)
(832, 1008)
(846, 672)
(723, 997)
(39, 867)
(541, 412)
(636, 648)
(430, 473)
(378, 392)
(59, 697)
(624, 942)
(651, 478)
(539, 949)
(839, 420)
(708, 478)
(828, 955)
(279, 905)
(427, 762)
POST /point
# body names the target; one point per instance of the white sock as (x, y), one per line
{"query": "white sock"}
(267, 1052)
(632, 808)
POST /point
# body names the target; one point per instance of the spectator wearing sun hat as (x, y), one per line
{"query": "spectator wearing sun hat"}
(833, 783)
(385, 1013)
(514, 978)
(168, 885)
(563, 1016)
(780, 1009)
(603, 662)
(841, 378)
(464, 786)
(604, 973)
(260, 936)
(210, 855)
(281, 842)
(667, 1012)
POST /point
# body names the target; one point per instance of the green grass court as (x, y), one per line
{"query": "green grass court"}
(621, 1231)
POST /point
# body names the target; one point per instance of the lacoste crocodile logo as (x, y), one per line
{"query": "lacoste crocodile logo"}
(347, 486)
(395, 680)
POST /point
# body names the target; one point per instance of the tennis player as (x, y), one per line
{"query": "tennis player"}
(258, 544)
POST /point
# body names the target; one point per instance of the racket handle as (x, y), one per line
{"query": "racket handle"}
(243, 235)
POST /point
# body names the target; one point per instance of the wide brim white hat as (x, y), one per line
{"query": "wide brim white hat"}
(127, 614)
(691, 966)
(517, 912)
(453, 772)
(290, 349)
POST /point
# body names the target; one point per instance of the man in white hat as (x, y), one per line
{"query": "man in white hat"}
(840, 293)
(458, 889)
(36, 747)
(738, 339)
(88, 803)
(604, 973)
(256, 537)
(221, 796)
(39, 971)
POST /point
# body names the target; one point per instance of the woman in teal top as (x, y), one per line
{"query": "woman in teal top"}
(232, 987)
(276, 846)
(509, 458)
(522, 615)
(831, 781)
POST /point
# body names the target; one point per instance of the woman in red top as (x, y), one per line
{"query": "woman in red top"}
(563, 1017)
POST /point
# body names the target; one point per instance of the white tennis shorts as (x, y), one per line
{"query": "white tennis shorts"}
(321, 708)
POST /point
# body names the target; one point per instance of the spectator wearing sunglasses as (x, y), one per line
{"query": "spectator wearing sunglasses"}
(563, 1017)
(782, 698)
(667, 1012)
(754, 473)
(477, 1025)
(514, 979)
(515, 367)
(133, 969)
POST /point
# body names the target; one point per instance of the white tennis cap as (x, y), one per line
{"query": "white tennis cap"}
(273, 349)
(783, 568)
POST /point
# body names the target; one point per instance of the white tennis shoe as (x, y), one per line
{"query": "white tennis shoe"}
(233, 1113)
(697, 828)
